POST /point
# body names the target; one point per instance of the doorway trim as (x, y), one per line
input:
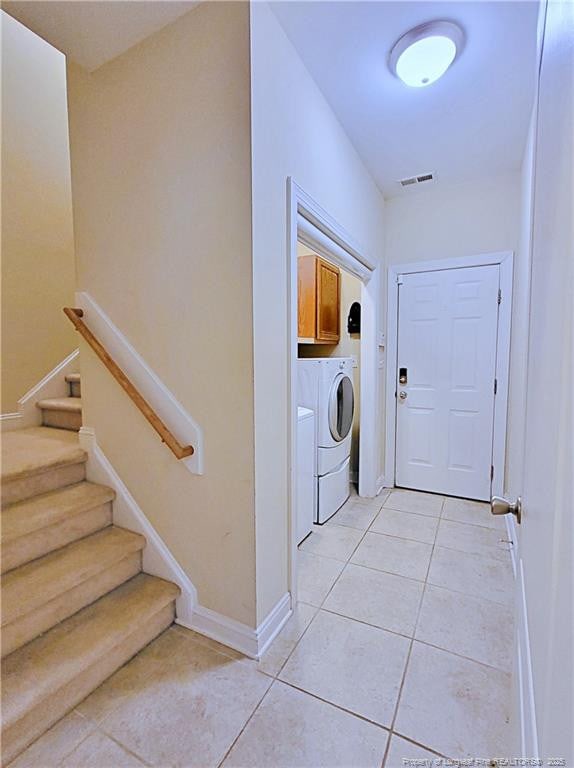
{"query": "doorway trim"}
(303, 216)
(504, 259)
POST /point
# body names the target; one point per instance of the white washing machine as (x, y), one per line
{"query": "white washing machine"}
(325, 385)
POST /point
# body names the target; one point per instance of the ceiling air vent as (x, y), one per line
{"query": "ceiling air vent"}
(420, 179)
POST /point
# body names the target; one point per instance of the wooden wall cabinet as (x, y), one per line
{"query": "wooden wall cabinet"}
(319, 300)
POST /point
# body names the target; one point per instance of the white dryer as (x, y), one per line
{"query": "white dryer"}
(325, 385)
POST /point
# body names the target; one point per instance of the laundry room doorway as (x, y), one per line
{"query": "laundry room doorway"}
(334, 294)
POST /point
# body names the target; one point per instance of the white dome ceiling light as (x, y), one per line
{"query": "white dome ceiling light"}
(425, 53)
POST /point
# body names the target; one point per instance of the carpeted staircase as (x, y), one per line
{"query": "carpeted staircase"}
(75, 603)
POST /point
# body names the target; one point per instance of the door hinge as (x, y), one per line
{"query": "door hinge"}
(495, 386)
(399, 279)
(499, 295)
(492, 472)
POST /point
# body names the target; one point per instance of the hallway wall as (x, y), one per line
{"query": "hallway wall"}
(519, 339)
(453, 220)
(162, 202)
(461, 220)
(38, 272)
(294, 133)
(547, 530)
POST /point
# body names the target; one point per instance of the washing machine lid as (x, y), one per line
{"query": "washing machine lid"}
(341, 406)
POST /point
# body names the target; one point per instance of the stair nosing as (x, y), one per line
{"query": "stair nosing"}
(92, 566)
(40, 689)
(62, 449)
(106, 495)
(70, 404)
(80, 457)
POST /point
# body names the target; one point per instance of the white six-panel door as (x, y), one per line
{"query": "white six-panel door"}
(447, 335)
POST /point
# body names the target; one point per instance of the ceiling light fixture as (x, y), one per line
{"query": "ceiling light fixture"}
(424, 54)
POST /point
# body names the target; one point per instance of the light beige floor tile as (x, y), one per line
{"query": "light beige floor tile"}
(126, 682)
(401, 750)
(292, 729)
(353, 515)
(352, 665)
(213, 644)
(284, 643)
(335, 541)
(379, 499)
(473, 539)
(382, 599)
(415, 501)
(99, 751)
(56, 744)
(189, 712)
(473, 512)
(400, 556)
(315, 577)
(472, 574)
(454, 706)
(407, 525)
(470, 626)
(372, 503)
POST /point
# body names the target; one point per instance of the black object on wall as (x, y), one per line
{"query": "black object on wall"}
(354, 319)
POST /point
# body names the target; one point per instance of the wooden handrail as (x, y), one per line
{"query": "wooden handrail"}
(181, 451)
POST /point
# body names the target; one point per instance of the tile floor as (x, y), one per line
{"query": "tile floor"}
(400, 647)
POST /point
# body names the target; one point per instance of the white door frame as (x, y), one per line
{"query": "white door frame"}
(349, 255)
(505, 260)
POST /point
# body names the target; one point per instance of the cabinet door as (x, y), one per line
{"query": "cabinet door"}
(328, 299)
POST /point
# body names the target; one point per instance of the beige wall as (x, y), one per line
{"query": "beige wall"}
(162, 179)
(349, 346)
(295, 133)
(37, 239)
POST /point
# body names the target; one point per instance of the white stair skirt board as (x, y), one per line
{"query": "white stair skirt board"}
(157, 559)
(51, 386)
(247, 640)
(150, 386)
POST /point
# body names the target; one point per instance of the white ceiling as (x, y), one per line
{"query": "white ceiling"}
(469, 124)
(92, 32)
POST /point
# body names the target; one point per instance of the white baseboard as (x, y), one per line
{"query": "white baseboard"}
(52, 385)
(276, 619)
(383, 483)
(157, 558)
(247, 640)
(179, 421)
(512, 535)
(523, 663)
(526, 704)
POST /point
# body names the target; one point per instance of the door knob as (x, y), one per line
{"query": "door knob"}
(502, 506)
(403, 395)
